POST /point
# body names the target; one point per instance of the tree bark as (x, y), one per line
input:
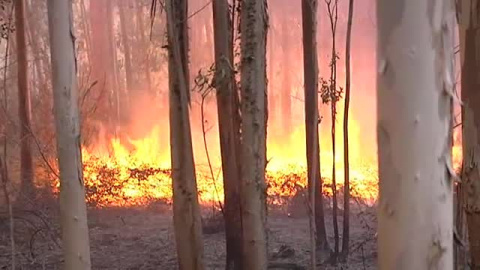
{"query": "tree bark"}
(310, 69)
(415, 90)
(73, 212)
(26, 163)
(253, 89)
(229, 129)
(186, 212)
(346, 187)
(470, 55)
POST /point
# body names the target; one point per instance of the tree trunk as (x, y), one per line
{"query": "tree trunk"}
(126, 45)
(415, 89)
(26, 163)
(322, 241)
(102, 60)
(272, 93)
(253, 89)
(186, 212)
(229, 125)
(346, 187)
(144, 46)
(310, 69)
(73, 212)
(114, 71)
(470, 55)
(333, 98)
(286, 97)
(86, 30)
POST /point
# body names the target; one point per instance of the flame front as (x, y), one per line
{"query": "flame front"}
(137, 172)
(128, 172)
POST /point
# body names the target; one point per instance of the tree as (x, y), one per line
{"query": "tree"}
(102, 62)
(331, 94)
(414, 97)
(310, 69)
(229, 129)
(143, 46)
(122, 7)
(286, 93)
(254, 22)
(73, 212)
(470, 64)
(186, 210)
(26, 163)
(346, 187)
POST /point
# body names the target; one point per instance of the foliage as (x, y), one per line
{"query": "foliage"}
(329, 92)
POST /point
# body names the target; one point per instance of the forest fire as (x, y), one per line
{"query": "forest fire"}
(133, 172)
(130, 172)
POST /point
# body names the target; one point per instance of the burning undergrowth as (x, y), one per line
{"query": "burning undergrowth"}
(108, 183)
(136, 172)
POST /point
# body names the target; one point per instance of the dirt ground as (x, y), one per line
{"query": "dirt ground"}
(142, 238)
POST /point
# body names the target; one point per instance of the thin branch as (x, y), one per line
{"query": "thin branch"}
(204, 133)
(199, 10)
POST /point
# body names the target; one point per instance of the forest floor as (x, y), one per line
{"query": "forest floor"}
(143, 238)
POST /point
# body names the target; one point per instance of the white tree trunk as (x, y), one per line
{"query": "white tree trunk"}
(73, 212)
(253, 88)
(415, 85)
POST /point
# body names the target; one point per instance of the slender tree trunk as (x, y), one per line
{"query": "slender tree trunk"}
(144, 46)
(86, 30)
(26, 163)
(253, 89)
(333, 17)
(470, 55)
(126, 45)
(73, 212)
(114, 71)
(415, 89)
(186, 210)
(102, 60)
(310, 69)
(346, 187)
(272, 97)
(322, 241)
(229, 124)
(35, 43)
(286, 97)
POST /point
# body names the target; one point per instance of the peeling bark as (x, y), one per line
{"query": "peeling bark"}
(73, 210)
(415, 90)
